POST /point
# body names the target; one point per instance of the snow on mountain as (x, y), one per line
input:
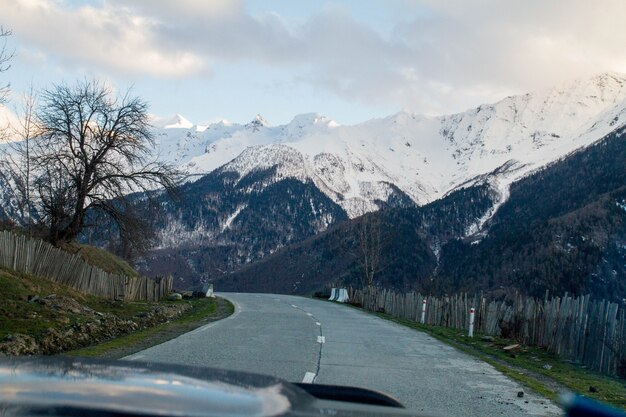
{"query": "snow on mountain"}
(424, 157)
(174, 122)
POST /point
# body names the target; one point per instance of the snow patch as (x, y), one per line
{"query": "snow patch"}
(229, 220)
(173, 122)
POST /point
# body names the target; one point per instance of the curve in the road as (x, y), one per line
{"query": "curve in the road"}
(300, 339)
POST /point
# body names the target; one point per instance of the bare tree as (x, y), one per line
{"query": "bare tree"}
(93, 149)
(5, 57)
(16, 161)
(370, 244)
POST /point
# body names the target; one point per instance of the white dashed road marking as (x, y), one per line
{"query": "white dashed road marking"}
(308, 378)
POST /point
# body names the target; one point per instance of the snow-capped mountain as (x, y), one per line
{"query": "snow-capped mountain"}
(255, 189)
(360, 166)
(562, 229)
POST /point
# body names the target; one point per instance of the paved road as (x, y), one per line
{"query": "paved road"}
(299, 339)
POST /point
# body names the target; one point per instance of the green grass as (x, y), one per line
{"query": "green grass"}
(202, 308)
(119, 308)
(101, 258)
(527, 365)
(17, 315)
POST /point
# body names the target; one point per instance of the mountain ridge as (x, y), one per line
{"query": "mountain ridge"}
(424, 157)
(562, 229)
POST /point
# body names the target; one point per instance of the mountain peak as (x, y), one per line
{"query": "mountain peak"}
(219, 124)
(403, 118)
(606, 86)
(610, 75)
(258, 119)
(310, 119)
(173, 122)
(257, 123)
(611, 82)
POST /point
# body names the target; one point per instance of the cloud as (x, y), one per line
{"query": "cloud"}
(488, 47)
(437, 55)
(8, 122)
(97, 36)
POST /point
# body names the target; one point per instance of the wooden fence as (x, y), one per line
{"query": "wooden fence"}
(36, 257)
(585, 331)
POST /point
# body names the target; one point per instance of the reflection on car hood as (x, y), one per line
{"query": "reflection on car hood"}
(148, 389)
(73, 386)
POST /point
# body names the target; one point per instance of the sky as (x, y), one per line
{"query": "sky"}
(349, 60)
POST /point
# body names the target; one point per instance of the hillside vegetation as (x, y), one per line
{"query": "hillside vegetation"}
(409, 238)
(562, 229)
(198, 241)
(101, 258)
(56, 306)
(39, 316)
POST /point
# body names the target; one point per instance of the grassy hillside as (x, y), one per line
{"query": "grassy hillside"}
(58, 306)
(101, 258)
(39, 316)
(66, 307)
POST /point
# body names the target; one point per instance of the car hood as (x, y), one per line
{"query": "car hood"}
(77, 386)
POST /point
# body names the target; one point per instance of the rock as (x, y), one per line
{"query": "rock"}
(33, 298)
(593, 389)
(63, 303)
(175, 297)
(511, 347)
(19, 344)
(547, 366)
(488, 339)
(520, 394)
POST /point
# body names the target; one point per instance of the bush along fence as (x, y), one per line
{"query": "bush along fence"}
(36, 257)
(579, 329)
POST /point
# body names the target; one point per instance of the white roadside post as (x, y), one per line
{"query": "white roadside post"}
(471, 323)
(423, 318)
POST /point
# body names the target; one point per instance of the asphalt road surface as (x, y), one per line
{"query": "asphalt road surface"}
(305, 340)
